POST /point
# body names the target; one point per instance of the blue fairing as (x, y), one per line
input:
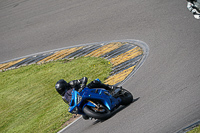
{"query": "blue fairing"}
(88, 95)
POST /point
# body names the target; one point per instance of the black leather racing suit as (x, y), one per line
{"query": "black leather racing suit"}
(81, 84)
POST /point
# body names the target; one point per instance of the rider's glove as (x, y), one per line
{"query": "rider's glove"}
(197, 16)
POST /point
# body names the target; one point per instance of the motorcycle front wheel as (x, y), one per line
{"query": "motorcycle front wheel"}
(97, 113)
(126, 97)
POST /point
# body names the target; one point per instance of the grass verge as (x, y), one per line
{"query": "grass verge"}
(195, 130)
(29, 101)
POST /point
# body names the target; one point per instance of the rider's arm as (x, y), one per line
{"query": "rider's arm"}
(190, 6)
(81, 83)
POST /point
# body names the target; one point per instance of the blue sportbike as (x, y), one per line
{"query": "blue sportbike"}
(98, 103)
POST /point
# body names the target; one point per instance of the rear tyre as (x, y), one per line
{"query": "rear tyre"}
(126, 97)
(101, 114)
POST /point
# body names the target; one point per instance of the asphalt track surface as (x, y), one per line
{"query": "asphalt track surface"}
(167, 84)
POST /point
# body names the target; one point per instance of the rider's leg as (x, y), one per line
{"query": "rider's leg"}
(99, 84)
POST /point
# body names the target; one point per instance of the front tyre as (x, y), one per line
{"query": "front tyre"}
(101, 114)
(126, 97)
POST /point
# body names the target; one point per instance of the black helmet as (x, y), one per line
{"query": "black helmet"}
(61, 87)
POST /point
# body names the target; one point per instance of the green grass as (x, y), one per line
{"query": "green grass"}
(29, 101)
(195, 130)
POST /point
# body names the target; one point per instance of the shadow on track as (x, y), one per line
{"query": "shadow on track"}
(116, 111)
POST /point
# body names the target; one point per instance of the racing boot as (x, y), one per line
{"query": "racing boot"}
(112, 87)
(85, 117)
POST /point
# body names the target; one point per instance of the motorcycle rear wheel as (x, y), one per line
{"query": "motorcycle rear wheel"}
(94, 113)
(126, 97)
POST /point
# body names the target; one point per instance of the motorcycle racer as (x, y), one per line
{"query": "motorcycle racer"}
(65, 89)
(95, 100)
